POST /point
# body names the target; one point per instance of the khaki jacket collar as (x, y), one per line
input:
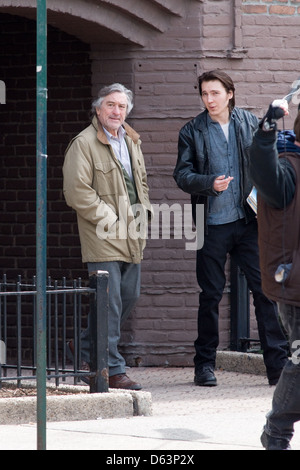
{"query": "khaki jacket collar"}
(102, 136)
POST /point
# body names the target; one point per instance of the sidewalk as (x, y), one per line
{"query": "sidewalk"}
(185, 417)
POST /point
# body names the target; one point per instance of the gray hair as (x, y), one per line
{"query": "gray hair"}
(108, 90)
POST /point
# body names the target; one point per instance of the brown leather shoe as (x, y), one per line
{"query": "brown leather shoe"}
(124, 382)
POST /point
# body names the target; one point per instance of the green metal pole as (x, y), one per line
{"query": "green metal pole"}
(41, 220)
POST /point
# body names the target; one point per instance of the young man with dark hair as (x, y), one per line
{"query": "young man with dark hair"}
(213, 166)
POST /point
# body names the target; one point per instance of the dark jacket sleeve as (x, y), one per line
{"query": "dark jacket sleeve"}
(188, 177)
(274, 178)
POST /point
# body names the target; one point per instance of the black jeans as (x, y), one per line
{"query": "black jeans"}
(240, 241)
(286, 401)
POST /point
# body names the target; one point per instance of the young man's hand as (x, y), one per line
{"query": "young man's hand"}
(221, 183)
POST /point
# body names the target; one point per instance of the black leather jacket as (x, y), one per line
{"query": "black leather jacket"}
(192, 172)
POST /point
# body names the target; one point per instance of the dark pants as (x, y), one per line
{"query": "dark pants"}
(286, 401)
(124, 284)
(240, 241)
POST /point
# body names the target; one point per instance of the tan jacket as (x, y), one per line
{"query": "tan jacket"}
(95, 187)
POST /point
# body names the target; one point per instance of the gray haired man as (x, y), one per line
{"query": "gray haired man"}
(104, 178)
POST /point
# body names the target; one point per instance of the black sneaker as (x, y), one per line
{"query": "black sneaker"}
(205, 377)
(274, 443)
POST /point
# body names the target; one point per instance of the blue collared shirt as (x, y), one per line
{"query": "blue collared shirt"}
(120, 149)
(224, 160)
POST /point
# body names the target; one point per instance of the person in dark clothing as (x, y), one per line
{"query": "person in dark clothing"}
(276, 180)
(213, 166)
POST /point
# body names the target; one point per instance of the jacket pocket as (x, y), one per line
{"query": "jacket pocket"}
(105, 177)
(105, 167)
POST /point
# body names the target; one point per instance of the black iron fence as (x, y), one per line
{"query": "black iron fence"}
(69, 304)
(68, 307)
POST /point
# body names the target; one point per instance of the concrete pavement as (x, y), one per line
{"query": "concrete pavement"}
(184, 417)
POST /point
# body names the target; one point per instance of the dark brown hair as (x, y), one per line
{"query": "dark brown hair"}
(223, 78)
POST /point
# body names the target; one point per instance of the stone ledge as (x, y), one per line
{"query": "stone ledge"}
(245, 363)
(79, 405)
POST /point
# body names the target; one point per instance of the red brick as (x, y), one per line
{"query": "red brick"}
(255, 9)
(282, 10)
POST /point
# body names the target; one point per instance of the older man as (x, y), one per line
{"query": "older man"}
(105, 181)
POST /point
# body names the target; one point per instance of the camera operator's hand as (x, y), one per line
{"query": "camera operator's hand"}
(277, 110)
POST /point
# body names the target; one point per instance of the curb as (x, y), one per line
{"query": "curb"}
(80, 405)
(244, 363)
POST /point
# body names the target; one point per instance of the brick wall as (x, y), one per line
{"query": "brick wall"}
(69, 82)
(270, 7)
(259, 50)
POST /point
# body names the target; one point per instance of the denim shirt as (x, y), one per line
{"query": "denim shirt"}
(224, 160)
